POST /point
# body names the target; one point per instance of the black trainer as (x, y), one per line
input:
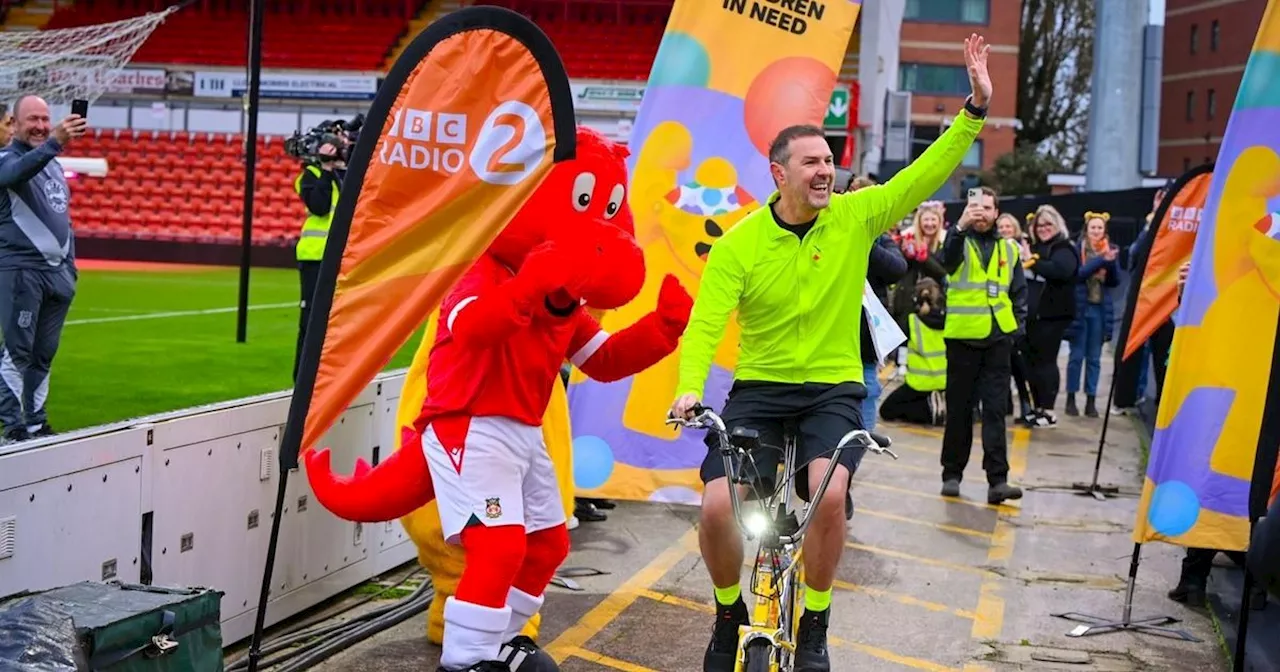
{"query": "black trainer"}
(482, 666)
(522, 654)
(811, 642)
(722, 652)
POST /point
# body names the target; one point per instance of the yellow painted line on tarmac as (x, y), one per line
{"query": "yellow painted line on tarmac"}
(575, 638)
(876, 652)
(860, 510)
(1000, 508)
(918, 431)
(614, 663)
(922, 560)
(903, 466)
(885, 654)
(903, 599)
(990, 621)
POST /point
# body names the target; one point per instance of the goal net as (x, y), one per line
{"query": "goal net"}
(69, 63)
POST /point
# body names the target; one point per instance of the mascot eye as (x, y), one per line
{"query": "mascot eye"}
(615, 201)
(583, 185)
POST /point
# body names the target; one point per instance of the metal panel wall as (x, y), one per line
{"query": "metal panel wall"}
(76, 507)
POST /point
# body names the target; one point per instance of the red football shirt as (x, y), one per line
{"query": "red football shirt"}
(512, 379)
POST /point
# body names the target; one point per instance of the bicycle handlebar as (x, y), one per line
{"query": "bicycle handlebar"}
(705, 418)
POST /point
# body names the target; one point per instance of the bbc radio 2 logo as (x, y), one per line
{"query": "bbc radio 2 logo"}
(506, 149)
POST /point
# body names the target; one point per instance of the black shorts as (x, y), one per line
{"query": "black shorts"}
(817, 414)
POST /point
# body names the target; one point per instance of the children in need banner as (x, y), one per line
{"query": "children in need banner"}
(1197, 485)
(729, 74)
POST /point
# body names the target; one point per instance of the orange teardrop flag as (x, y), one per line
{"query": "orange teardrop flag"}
(465, 127)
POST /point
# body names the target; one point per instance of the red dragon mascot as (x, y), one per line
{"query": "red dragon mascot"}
(504, 330)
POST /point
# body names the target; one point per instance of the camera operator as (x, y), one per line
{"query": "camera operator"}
(318, 185)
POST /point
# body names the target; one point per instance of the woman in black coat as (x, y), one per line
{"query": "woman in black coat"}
(1050, 265)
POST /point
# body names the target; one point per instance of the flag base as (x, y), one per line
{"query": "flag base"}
(1098, 626)
(1098, 492)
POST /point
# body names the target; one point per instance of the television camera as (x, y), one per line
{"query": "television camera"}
(340, 133)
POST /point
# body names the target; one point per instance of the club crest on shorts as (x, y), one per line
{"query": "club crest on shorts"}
(492, 507)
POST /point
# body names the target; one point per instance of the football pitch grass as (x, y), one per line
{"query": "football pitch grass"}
(147, 338)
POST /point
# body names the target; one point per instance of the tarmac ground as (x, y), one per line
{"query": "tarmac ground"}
(925, 583)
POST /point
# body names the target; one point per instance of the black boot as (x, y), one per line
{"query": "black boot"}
(1072, 409)
(811, 642)
(722, 651)
(587, 512)
(1091, 407)
(1190, 594)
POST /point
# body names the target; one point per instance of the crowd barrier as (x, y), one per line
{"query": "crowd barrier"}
(186, 499)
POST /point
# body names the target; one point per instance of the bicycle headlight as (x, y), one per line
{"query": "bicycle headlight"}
(756, 523)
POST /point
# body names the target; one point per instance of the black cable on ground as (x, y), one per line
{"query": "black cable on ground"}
(337, 644)
(352, 631)
(368, 623)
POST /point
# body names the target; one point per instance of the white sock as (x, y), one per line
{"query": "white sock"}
(523, 606)
(472, 633)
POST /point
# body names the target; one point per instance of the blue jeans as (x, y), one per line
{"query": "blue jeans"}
(1086, 349)
(872, 381)
(1144, 368)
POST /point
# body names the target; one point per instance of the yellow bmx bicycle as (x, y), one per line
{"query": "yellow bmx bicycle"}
(767, 642)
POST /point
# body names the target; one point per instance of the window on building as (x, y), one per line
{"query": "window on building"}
(1191, 105)
(973, 158)
(948, 11)
(1195, 36)
(1212, 103)
(1213, 36)
(931, 78)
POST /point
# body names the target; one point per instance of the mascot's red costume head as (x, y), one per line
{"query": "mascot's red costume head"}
(503, 332)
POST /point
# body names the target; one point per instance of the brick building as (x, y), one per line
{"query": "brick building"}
(1206, 46)
(931, 66)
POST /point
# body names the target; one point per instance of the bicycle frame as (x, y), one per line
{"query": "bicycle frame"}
(778, 575)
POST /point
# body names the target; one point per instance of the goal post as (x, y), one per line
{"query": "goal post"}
(64, 64)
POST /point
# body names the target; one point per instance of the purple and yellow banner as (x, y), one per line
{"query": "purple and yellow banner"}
(728, 76)
(1215, 395)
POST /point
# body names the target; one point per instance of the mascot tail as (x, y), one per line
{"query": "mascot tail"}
(396, 487)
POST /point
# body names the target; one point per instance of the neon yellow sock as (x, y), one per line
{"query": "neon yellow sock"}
(816, 600)
(729, 596)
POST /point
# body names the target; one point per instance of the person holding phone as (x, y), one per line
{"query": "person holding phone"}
(986, 315)
(37, 262)
(1097, 278)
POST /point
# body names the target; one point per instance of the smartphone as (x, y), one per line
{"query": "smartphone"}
(80, 107)
(975, 196)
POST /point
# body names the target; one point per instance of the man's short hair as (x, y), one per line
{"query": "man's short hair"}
(995, 196)
(780, 148)
(17, 104)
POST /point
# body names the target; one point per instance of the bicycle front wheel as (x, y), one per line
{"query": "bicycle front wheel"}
(757, 657)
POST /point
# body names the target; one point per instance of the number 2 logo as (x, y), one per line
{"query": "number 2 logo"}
(508, 150)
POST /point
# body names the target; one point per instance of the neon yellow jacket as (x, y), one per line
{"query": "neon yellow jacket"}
(799, 302)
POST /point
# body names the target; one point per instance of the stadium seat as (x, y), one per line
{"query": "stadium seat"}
(601, 41)
(148, 193)
(214, 34)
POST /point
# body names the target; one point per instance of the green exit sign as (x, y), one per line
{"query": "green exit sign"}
(838, 109)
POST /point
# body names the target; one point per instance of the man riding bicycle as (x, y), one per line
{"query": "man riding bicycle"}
(795, 273)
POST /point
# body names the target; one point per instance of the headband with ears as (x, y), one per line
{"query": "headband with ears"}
(932, 205)
(1104, 216)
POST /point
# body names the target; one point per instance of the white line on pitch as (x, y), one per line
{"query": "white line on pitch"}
(178, 313)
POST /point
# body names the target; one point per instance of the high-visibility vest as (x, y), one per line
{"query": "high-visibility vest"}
(974, 293)
(315, 228)
(926, 356)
